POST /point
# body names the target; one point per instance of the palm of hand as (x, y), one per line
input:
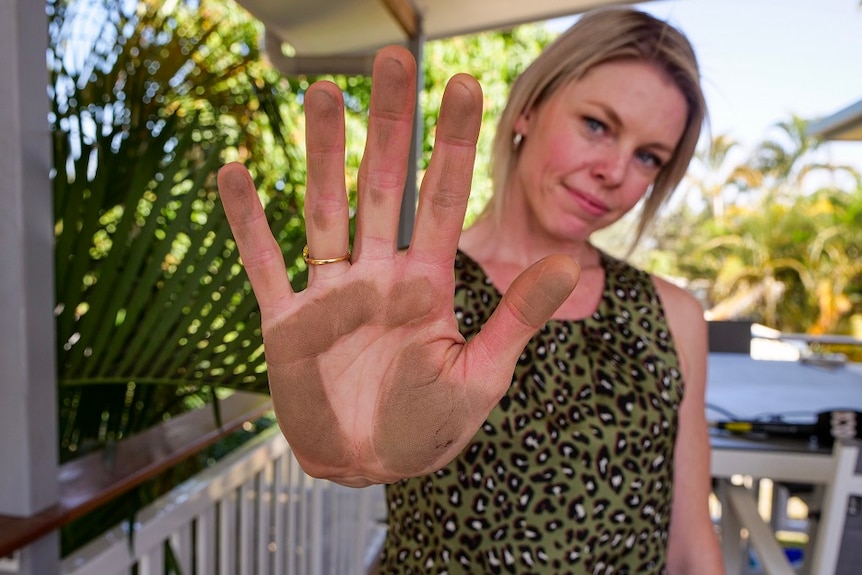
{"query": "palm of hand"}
(375, 362)
(370, 378)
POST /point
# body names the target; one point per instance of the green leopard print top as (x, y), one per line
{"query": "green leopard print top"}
(572, 471)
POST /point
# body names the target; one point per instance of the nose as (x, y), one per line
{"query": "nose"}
(610, 165)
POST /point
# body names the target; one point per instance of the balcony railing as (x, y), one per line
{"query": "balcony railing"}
(254, 512)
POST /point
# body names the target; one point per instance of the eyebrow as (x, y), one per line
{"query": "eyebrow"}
(617, 121)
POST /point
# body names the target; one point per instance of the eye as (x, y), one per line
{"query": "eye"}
(595, 126)
(650, 160)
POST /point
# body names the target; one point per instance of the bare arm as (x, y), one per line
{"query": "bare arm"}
(693, 547)
(370, 378)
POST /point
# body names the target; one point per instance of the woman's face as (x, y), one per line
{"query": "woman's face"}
(593, 148)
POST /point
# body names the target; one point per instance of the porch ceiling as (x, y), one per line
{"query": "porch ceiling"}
(345, 31)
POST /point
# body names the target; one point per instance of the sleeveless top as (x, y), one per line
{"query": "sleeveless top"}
(572, 471)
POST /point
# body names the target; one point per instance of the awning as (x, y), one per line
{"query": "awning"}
(845, 124)
(328, 36)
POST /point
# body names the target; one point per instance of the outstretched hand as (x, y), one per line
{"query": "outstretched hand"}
(370, 378)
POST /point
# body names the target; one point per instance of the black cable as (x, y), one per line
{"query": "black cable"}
(721, 410)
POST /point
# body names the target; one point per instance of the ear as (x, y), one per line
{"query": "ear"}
(522, 124)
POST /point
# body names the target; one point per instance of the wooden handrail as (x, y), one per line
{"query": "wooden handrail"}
(94, 479)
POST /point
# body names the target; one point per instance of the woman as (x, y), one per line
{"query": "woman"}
(585, 451)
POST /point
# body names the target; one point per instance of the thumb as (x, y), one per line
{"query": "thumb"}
(528, 303)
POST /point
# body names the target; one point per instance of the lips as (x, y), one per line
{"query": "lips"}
(589, 204)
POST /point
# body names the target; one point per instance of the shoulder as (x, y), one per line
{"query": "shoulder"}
(677, 301)
(682, 311)
(684, 314)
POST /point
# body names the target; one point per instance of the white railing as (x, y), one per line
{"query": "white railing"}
(831, 546)
(739, 513)
(253, 513)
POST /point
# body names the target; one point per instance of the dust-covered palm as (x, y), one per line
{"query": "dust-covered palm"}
(370, 378)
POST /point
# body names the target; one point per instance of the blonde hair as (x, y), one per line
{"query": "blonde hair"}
(597, 38)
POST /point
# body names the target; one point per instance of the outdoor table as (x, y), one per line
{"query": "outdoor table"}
(751, 389)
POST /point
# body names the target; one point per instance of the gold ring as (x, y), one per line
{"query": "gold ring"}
(322, 262)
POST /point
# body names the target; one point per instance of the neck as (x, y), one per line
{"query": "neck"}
(512, 243)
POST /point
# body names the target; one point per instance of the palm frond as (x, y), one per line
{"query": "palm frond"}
(153, 308)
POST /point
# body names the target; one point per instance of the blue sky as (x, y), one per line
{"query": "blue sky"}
(762, 60)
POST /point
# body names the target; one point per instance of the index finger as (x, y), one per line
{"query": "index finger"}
(446, 185)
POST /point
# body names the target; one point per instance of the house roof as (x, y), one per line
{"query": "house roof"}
(845, 124)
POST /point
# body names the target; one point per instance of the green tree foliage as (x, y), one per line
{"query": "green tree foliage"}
(496, 59)
(154, 312)
(716, 179)
(776, 238)
(153, 309)
(786, 161)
